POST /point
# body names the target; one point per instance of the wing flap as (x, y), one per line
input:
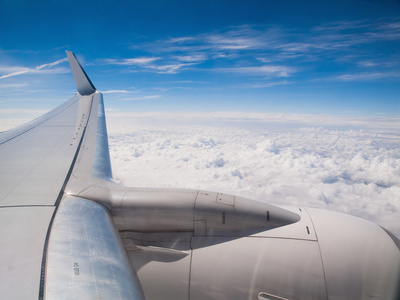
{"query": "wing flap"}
(86, 258)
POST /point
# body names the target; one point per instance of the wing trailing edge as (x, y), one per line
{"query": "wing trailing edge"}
(83, 84)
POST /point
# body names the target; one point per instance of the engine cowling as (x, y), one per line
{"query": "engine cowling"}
(205, 245)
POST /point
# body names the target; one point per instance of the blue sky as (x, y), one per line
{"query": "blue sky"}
(302, 57)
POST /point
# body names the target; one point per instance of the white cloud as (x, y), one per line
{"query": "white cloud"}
(271, 84)
(367, 76)
(341, 26)
(197, 57)
(239, 38)
(116, 92)
(189, 81)
(49, 65)
(169, 68)
(350, 171)
(13, 85)
(180, 39)
(278, 71)
(15, 71)
(132, 61)
(141, 98)
(367, 64)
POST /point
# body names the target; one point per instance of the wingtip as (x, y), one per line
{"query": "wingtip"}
(82, 81)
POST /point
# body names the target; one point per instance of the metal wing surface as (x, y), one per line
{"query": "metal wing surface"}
(37, 160)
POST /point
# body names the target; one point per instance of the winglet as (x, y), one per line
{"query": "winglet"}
(82, 81)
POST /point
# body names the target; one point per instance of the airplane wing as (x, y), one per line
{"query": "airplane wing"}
(37, 160)
(67, 231)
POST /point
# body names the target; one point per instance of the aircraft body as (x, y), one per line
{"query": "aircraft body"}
(68, 231)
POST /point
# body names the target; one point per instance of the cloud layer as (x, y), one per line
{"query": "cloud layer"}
(351, 171)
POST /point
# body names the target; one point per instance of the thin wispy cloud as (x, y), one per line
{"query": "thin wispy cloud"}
(170, 68)
(368, 76)
(35, 70)
(367, 64)
(239, 39)
(55, 63)
(16, 73)
(362, 31)
(277, 71)
(116, 92)
(236, 38)
(190, 81)
(341, 26)
(150, 97)
(13, 85)
(250, 43)
(271, 84)
(163, 89)
(192, 58)
(132, 61)
(159, 65)
(388, 30)
(180, 39)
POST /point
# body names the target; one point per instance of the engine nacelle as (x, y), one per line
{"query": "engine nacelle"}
(203, 245)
